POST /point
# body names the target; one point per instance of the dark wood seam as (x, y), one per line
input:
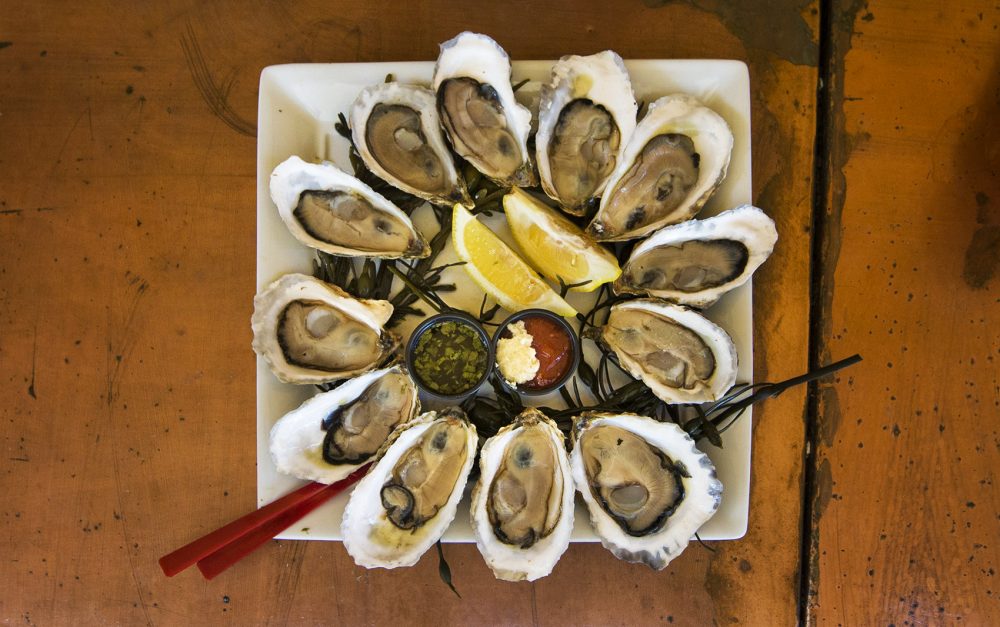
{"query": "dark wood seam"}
(820, 197)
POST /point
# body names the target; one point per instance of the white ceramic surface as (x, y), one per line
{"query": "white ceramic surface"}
(298, 107)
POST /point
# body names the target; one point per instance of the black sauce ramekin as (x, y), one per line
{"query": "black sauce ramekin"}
(451, 316)
(574, 343)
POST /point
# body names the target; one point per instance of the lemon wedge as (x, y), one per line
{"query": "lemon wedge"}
(499, 270)
(555, 246)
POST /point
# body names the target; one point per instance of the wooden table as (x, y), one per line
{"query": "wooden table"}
(127, 230)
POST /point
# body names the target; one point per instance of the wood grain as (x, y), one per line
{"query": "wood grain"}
(905, 512)
(127, 276)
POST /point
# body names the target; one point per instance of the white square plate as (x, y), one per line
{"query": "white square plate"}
(298, 107)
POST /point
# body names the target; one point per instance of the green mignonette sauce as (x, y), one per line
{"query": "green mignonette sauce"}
(450, 358)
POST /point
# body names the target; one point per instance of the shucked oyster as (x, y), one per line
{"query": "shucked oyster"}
(676, 158)
(309, 331)
(585, 117)
(522, 505)
(407, 500)
(331, 210)
(398, 135)
(475, 100)
(680, 355)
(696, 262)
(333, 433)
(648, 488)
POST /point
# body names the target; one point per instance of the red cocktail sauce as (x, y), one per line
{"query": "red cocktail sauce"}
(553, 348)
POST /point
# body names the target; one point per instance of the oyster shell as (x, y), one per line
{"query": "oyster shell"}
(522, 505)
(676, 158)
(328, 209)
(398, 134)
(696, 262)
(680, 355)
(407, 500)
(586, 115)
(648, 488)
(332, 434)
(475, 101)
(309, 331)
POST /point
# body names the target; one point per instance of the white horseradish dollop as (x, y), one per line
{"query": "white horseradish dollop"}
(515, 355)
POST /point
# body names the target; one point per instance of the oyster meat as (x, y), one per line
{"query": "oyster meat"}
(647, 487)
(522, 505)
(475, 101)
(309, 331)
(586, 115)
(676, 158)
(679, 354)
(398, 134)
(409, 497)
(330, 210)
(696, 262)
(332, 434)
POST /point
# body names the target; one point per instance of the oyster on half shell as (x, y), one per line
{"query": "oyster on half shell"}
(397, 132)
(648, 488)
(330, 210)
(586, 115)
(309, 331)
(679, 354)
(696, 262)
(475, 101)
(522, 505)
(409, 497)
(332, 434)
(676, 158)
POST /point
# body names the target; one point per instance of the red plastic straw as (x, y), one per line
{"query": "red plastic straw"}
(219, 561)
(242, 536)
